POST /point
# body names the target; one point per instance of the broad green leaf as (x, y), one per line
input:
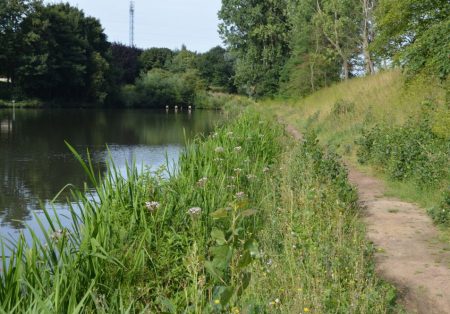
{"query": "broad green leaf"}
(249, 212)
(220, 213)
(213, 271)
(218, 236)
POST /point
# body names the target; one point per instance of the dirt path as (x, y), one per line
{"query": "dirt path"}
(410, 254)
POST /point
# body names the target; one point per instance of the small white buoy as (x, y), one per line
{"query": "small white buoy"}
(176, 107)
(167, 107)
(190, 107)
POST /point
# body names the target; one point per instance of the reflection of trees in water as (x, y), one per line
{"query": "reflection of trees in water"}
(35, 162)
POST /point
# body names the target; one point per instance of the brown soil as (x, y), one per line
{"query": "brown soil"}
(409, 253)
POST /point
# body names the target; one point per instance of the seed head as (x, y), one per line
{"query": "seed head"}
(194, 211)
(202, 182)
(219, 149)
(240, 195)
(152, 206)
(237, 149)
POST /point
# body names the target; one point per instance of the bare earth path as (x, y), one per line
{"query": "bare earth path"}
(410, 254)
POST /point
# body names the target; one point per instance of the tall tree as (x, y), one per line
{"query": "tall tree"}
(313, 62)
(257, 32)
(125, 63)
(12, 13)
(216, 67)
(65, 55)
(415, 34)
(340, 22)
(156, 58)
(368, 25)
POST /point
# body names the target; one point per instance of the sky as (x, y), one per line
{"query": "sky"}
(158, 23)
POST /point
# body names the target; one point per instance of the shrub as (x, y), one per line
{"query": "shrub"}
(441, 213)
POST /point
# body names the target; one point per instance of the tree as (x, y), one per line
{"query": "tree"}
(415, 34)
(156, 58)
(340, 22)
(126, 63)
(216, 68)
(257, 33)
(65, 55)
(183, 60)
(12, 13)
(368, 34)
(313, 62)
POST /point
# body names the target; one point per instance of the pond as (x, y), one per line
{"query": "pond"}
(35, 162)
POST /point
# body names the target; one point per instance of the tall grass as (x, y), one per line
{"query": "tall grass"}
(344, 114)
(243, 225)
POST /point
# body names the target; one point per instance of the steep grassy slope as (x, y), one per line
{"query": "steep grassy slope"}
(345, 116)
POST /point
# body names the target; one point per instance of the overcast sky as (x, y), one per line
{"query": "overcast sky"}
(158, 23)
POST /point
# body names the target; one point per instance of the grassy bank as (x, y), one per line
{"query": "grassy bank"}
(245, 225)
(397, 130)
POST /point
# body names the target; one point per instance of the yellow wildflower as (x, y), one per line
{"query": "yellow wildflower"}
(306, 310)
(216, 301)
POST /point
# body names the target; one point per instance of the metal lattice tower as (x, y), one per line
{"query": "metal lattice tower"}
(132, 23)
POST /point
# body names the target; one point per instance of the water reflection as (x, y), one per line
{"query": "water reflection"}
(35, 162)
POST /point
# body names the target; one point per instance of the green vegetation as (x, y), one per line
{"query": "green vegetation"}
(224, 233)
(400, 129)
(56, 54)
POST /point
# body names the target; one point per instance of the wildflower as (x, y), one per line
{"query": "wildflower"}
(238, 170)
(251, 176)
(194, 211)
(202, 281)
(277, 301)
(218, 159)
(231, 186)
(271, 303)
(152, 206)
(269, 262)
(237, 149)
(58, 234)
(216, 301)
(230, 133)
(266, 169)
(240, 195)
(235, 310)
(215, 134)
(305, 309)
(202, 182)
(219, 149)
(232, 178)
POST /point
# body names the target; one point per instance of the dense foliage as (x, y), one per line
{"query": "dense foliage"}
(54, 53)
(418, 151)
(257, 32)
(126, 63)
(415, 34)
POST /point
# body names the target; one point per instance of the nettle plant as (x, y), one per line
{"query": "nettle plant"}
(234, 249)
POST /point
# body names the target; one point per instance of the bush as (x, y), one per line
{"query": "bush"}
(441, 213)
(416, 152)
(409, 152)
(159, 88)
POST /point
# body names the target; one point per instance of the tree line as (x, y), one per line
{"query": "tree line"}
(299, 46)
(56, 53)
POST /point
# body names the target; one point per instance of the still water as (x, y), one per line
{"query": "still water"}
(35, 162)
